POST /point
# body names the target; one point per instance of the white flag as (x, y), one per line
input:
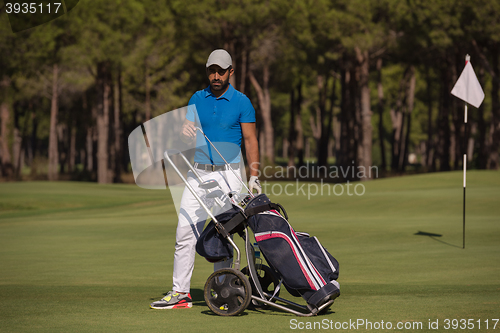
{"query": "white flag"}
(468, 88)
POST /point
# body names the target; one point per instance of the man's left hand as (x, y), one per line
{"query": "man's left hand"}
(254, 184)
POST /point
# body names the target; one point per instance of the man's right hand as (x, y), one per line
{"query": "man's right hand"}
(188, 131)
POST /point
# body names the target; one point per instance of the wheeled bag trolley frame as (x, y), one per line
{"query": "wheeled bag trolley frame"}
(230, 291)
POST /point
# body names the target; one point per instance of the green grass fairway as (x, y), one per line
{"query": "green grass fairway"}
(82, 257)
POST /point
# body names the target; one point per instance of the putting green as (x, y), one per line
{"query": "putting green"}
(85, 257)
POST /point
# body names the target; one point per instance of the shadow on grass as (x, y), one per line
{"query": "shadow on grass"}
(198, 300)
(210, 313)
(433, 236)
(270, 312)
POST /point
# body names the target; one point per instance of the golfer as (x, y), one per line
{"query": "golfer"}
(225, 115)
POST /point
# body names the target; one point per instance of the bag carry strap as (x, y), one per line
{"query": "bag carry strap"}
(234, 222)
(263, 208)
(283, 211)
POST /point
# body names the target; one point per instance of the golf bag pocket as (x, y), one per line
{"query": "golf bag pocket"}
(324, 262)
(326, 266)
(211, 244)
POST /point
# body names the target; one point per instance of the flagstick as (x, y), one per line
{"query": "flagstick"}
(465, 167)
(467, 59)
(468, 89)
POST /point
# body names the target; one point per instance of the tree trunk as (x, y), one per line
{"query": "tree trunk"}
(90, 149)
(17, 144)
(343, 135)
(299, 130)
(486, 149)
(6, 166)
(53, 142)
(307, 148)
(241, 64)
(103, 91)
(444, 122)
(401, 116)
(397, 119)
(117, 127)
(91, 116)
(147, 103)
(430, 129)
(62, 139)
(265, 109)
(230, 47)
(493, 159)
(381, 106)
(262, 139)
(454, 143)
(482, 154)
(292, 136)
(285, 147)
(397, 125)
(243, 71)
(357, 130)
(457, 117)
(410, 102)
(33, 142)
(72, 148)
(324, 119)
(471, 142)
(315, 121)
(326, 137)
(336, 135)
(347, 154)
(331, 146)
(365, 158)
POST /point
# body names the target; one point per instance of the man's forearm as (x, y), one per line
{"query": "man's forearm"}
(252, 147)
(252, 152)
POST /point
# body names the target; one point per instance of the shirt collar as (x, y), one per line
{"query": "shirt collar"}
(227, 95)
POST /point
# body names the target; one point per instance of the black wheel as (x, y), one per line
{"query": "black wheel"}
(268, 281)
(227, 292)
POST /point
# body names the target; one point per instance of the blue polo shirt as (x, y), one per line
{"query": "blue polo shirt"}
(220, 119)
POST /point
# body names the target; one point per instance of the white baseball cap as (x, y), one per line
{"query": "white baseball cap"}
(221, 58)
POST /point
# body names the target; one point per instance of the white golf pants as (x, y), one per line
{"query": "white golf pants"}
(192, 218)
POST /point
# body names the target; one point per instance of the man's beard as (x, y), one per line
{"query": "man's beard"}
(222, 85)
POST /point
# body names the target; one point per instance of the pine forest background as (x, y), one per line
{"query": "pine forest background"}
(340, 82)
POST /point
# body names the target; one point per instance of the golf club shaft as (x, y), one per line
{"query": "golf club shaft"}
(191, 189)
(193, 170)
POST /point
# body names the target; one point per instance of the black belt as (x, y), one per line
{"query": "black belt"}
(211, 167)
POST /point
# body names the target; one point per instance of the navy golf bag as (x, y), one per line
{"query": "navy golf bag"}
(306, 267)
